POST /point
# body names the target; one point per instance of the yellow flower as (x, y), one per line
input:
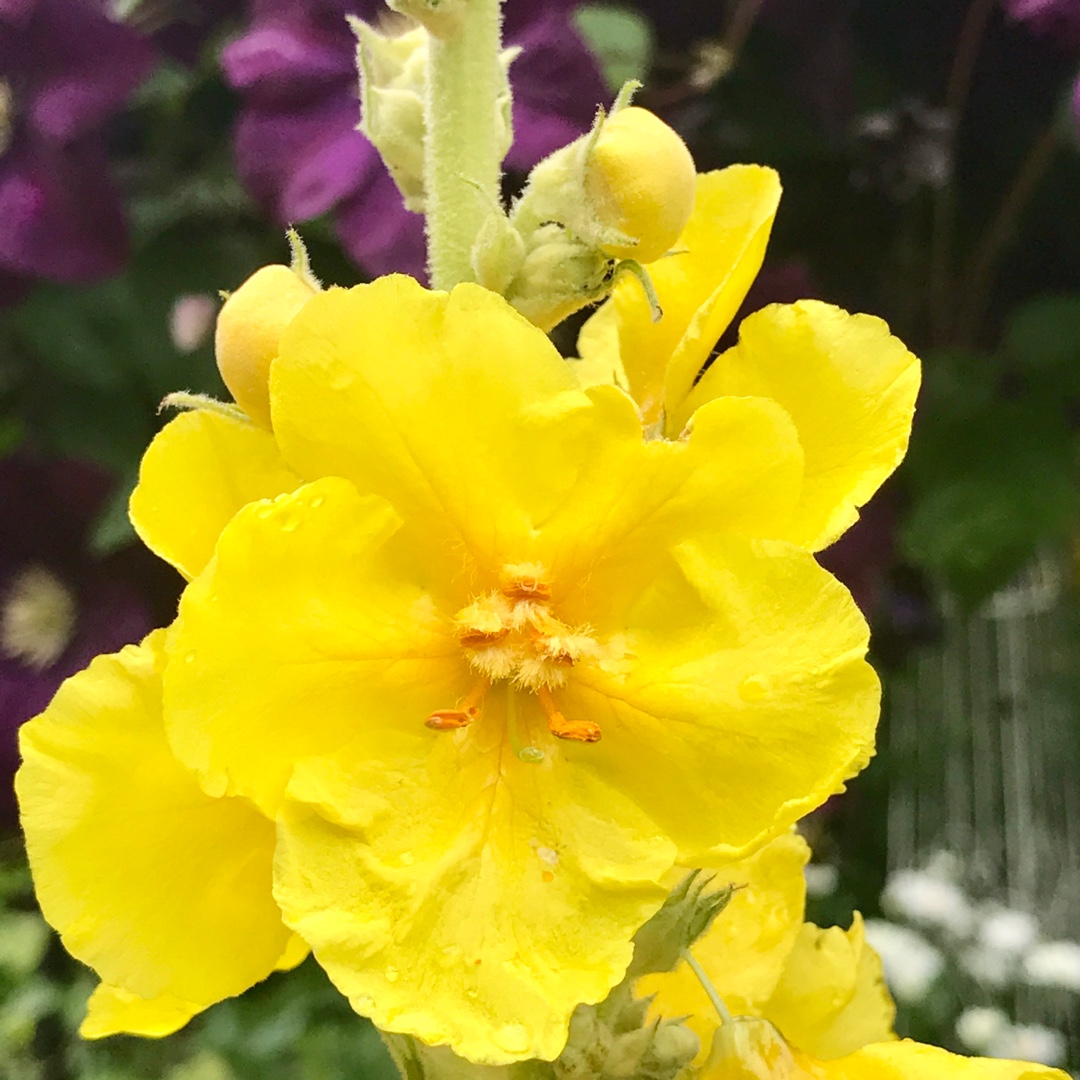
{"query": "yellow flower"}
(822, 988)
(493, 664)
(752, 1049)
(808, 1004)
(847, 384)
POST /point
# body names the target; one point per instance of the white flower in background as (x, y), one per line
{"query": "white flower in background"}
(990, 967)
(191, 320)
(1008, 930)
(911, 963)
(1030, 1042)
(821, 879)
(978, 1028)
(1054, 963)
(925, 898)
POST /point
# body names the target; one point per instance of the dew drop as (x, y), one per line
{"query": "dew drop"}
(753, 688)
(317, 501)
(548, 856)
(289, 523)
(189, 656)
(513, 1038)
(391, 974)
(264, 511)
(531, 755)
(472, 993)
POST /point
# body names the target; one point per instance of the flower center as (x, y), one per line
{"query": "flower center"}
(37, 618)
(512, 634)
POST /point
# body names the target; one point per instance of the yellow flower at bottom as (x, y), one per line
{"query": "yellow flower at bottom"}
(823, 989)
(494, 667)
(752, 1049)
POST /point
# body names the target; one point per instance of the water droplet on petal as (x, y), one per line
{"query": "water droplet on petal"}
(754, 688)
(264, 511)
(531, 755)
(189, 656)
(317, 501)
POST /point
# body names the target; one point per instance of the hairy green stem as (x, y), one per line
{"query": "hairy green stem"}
(462, 160)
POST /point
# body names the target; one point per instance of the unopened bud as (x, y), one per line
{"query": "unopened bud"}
(675, 1045)
(747, 1048)
(640, 181)
(393, 77)
(686, 914)
(249, 329)
(558, 276)
(628, 1053)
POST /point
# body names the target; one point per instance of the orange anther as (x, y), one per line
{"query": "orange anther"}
(481, 639)
(464, 715)
(527, 589)
(575, 730)
(451, 719)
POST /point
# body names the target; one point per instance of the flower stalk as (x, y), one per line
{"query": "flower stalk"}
(463, 155)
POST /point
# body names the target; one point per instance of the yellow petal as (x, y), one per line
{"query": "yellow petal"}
(909, 1060)
(745, 949)
(296, 952)
(601, 360)
(199, 470)
(112, 1011)
(309, 623)
(739, 471)
(700, 287)
(832, 998)
(849, 386)
(453, 408)
(160, 889)
(743, 680)
(459, 894)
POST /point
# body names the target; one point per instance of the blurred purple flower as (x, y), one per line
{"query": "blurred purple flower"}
(59, 606)
(65, 67)
(1056, 18)
(297, 148)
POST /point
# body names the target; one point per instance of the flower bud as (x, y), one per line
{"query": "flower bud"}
(249, 329)
(686, 914)
(558, 275)
(747, 1048)
(393, 77)
(639, 181)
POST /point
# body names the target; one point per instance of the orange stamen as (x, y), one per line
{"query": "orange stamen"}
(464, 715)
(574, 730)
